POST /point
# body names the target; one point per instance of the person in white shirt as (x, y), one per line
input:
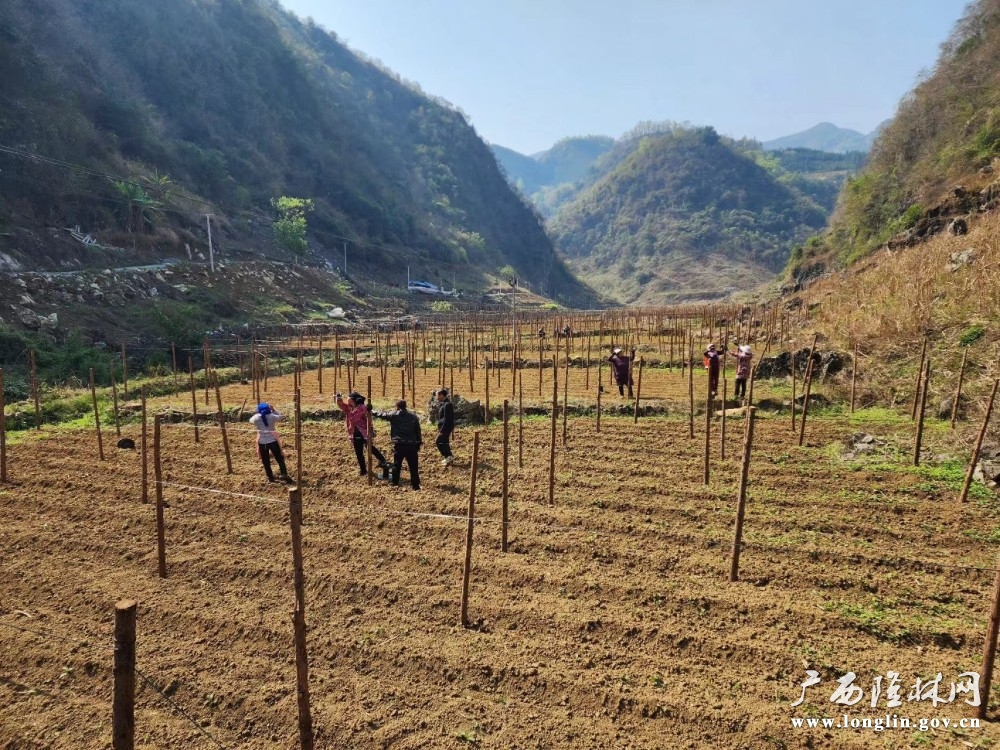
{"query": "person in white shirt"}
(265, 420)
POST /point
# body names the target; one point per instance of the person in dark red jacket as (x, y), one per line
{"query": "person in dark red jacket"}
(622, 367)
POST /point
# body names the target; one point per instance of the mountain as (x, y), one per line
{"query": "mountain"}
(686, 214)
(548, 178)
(133, 120)
(826, 137)
(934, 161)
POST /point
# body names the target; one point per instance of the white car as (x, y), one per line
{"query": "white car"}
(424, 287)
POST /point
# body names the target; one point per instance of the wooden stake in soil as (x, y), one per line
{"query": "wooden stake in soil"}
(299, 621)
(520, 418)
(722, 437)
(708, 432)
(734, 567)
(3, 435)
(194, 399)
(114, 399)
(123, 704)
(97, 416)
(958, 391)
(806, 390)
(143, 451)
(467, 570)
(989, 649)
(552, 444)
(691, 387)
(222, 422)
(124, 372)
(920, 372)
(487, 415)
(368, 414)
(298, 440)
(794, 369)
(979, 445)
(565, 401)
(854, 378)
(319, 373)
(161, 538)
(34, 390)
(638, 391)
(920, 418)
(505, 496)
(173, 353)
(206, 366)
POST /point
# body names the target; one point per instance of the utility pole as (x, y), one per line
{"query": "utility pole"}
(211, 251)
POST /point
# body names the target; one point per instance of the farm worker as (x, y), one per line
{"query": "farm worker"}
(712, 364)
(404, 431)
(356, 417)
(265, 420)
(622, 368)
(743, 356)
(446, 423)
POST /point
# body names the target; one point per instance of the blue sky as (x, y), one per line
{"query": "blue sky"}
(529, 72)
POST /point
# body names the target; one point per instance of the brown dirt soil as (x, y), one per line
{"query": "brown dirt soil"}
(609, 623)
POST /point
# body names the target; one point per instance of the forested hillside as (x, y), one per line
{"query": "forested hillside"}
(689, 214)
(936, 160)
(133, 119)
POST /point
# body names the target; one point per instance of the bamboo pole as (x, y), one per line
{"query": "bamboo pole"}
(194, 399)
(467, 569)
(734, 567)
(958, 391)
(920, 416)
(319, 373)
(123, 703)
(161, 537)
(173, 354)
(506, 474)
(299, 621)
(722, 431)
(979, 444)
(97, 416)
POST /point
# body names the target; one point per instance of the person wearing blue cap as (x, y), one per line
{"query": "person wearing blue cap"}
(265, 420)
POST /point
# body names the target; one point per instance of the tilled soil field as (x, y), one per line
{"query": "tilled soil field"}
(610, 622)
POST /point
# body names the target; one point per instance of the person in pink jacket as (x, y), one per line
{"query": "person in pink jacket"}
(356, 417)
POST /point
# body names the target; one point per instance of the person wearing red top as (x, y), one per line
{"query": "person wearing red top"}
(356, 417)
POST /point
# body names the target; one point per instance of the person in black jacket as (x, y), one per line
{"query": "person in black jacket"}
(404, 431)
(446, 424)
